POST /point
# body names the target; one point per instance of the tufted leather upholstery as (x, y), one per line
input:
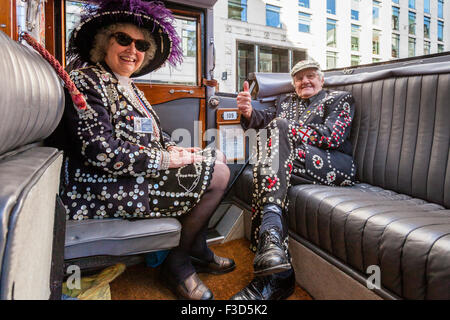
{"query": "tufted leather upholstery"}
(31, 105)
(398, 216)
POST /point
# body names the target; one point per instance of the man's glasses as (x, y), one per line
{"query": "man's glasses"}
(125, 40)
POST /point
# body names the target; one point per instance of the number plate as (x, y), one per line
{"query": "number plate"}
(230, 115)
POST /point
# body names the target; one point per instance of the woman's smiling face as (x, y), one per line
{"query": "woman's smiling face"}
(125, 60)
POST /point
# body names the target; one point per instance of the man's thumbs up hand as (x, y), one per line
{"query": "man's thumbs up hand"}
(244, 102)
(246, 86)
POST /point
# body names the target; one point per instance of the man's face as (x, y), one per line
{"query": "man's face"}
(307, 83)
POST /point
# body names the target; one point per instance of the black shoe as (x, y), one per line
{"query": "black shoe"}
(271, 287)
(270, 256)
(191, 288)
(219, 265)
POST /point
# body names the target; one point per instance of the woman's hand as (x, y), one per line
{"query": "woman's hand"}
(180, 149)
(180, 156)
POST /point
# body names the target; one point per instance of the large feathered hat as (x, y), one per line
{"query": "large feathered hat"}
(153, 16)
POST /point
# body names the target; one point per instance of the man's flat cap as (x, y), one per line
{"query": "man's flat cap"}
(304, 64)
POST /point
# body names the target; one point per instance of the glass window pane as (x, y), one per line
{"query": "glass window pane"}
(304, 21)
(30, 17)
(440, 48)
(273, 16)
(440, 31)
(411, 47)
(412, 23)
(395, 18)
(375, 42)
(331, 6)
(331, 33)
(412, 4)
(426, 27)
(246, 62)
(331, 60)
(426, 6)
(303, 3)
(237, 9)
(441, 9)
(426, 47)
(298, 56)
(273, 59)
(354, 14)
(376, 12)
(355, 37)
(354, 60)
(186, 73)
(395, 45)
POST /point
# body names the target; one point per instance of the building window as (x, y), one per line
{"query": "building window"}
(245, 61)
(412, 22)
(441, 9)
(303, 3)
(395, 45)
(354, 12)
(426, 6)
(273, 16)
(273, 60)
(331, 6)
(376, 42)
(331, 33)
(376, 12)
(331, 60)
(237, 9)
(412, 4)
(396, 1)
(189, 39)
(354, 60)
(440, 48)
(374, 60)
(440, 31)
(426, 47)
(411, 47)
(304, 22)
(355, 37)
(426, 27)
(298, 56)
(270, 59)
(395, 18)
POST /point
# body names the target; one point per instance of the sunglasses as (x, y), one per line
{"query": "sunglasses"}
(125, 40)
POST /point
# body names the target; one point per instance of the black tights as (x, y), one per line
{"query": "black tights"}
(195, 224)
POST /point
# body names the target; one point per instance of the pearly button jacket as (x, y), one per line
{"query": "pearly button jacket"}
(324, 123)
(109, 168)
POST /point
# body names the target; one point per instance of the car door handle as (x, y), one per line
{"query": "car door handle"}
(172, 91)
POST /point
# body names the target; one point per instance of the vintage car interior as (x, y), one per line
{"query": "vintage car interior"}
(395, 220)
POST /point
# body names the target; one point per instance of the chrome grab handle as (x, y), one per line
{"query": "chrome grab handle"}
(172, 91)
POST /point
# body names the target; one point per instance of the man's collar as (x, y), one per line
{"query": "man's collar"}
(317, 97)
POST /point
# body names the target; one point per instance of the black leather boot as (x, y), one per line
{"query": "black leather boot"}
(272, 287)
(270, 256)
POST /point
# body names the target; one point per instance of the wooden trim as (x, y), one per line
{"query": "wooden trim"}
(7, 18)
(202, 119)
(50, 26)
(160, 93)
(219, 116)
(14, 26)
(63, 32)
